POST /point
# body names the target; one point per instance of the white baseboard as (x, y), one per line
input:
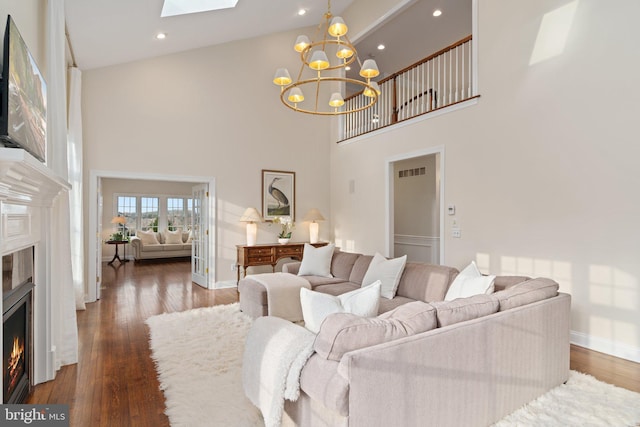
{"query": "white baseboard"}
(223, 284)
(602, 345)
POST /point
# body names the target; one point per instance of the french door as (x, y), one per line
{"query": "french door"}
(200, 241)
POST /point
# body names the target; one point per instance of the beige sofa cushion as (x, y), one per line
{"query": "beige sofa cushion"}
(505, 282)
(416, 277)
(463, 309)
(173, 237)
(344, 332)
(147, 237)
(320, 380)
(360, 268)
(526, 292)
(342, 264)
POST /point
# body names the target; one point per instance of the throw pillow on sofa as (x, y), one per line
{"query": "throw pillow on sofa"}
(344, 332)
(470, 282)
(316, 261)
(387, 271)
(173, 237)
(316, 306)
(147, 237)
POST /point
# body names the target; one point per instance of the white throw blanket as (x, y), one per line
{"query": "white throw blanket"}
(283, 294)
(275, 352)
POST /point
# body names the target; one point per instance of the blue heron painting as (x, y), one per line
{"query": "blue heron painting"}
(278, 193)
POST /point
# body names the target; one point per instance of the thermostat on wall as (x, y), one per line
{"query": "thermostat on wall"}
(451, 210)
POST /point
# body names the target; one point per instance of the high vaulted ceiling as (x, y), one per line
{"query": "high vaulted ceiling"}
(104, 33)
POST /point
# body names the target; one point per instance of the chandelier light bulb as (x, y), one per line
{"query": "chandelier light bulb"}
(337, 27)
(369, 69)
(319, 60)
(282, 77)
(301, 43)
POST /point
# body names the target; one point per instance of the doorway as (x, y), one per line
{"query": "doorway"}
(96, 229)
(416, 200)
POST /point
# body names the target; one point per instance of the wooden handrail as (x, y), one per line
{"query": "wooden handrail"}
(420, 62)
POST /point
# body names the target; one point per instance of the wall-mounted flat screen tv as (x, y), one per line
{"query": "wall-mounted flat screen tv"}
(23, 97)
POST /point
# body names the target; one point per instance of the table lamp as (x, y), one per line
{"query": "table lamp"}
(121, 221)
(313, 216)
(251, 216)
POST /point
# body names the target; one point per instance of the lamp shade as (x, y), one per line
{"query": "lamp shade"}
(370, 92)
(282, 77)
(313, 215)
(301, 43)
(336, 100)
(337, 27)
(119, 220)
(251, 215)
(369, 69)
(296, 95)
(319, 60)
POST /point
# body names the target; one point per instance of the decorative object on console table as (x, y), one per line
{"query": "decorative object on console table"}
(268, 254)
(313, 216)
(287, 225)
(251, 216)
(278, 194)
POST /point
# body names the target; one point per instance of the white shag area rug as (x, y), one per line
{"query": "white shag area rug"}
(198, 356)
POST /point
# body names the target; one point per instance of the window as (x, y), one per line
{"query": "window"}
(177, 216)
(157, 213)
(126, 207)
(149, 213)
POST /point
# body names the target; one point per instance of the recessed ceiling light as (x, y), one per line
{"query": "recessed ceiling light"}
(161, 36)
(437, 12)
(380, 47)
(302, 12)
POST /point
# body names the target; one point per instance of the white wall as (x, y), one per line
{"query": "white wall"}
(543, 171)
(210, 112)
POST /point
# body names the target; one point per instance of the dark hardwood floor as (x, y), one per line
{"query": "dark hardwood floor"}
(114, 382)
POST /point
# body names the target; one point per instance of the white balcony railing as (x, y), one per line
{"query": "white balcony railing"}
(439, 80)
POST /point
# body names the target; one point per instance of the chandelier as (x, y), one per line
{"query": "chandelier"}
(323, 78)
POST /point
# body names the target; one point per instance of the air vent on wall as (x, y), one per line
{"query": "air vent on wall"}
(412, 172)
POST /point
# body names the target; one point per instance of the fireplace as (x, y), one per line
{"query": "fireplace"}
(17, 342)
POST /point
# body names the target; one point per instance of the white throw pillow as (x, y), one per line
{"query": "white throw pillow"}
(316, 261)
(470, 282)
(316, 306)
(387, 271)
(147, 237)
(173, 237)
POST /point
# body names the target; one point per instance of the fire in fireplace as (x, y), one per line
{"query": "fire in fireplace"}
(14, 366)
(16, 325)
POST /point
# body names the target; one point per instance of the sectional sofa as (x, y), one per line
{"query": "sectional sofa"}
(424, 361)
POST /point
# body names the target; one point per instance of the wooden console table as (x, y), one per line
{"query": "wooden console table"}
(268, 254)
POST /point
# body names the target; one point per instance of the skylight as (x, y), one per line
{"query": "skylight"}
(184, 7)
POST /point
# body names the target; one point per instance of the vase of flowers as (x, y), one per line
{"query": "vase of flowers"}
(285, 231)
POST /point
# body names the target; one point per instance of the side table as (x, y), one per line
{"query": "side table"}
(124, 250)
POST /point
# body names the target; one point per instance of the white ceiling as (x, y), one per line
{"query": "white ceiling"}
(102, 34)
(108, 32)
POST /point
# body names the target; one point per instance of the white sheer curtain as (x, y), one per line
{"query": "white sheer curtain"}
(74, 157)
(64, 327)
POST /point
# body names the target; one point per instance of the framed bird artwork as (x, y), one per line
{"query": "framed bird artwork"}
(278, 194)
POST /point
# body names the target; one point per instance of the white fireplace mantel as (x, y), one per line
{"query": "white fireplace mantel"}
(25, 180)
(28, 189)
